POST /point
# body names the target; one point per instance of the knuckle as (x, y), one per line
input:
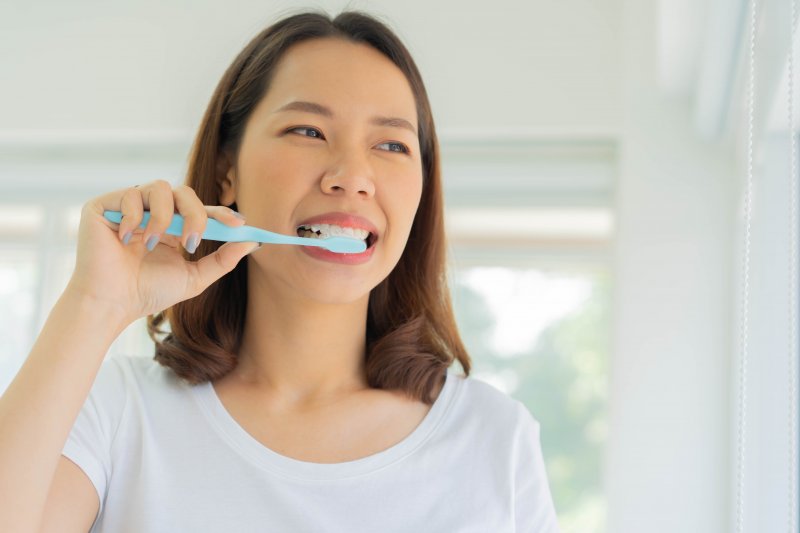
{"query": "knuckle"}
(185, 189)
(90, 208)
(220, 261)
(132, 195)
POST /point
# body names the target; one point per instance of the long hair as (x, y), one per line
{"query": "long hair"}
(412, 337)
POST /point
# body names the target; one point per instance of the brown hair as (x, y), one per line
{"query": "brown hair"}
(412, 336)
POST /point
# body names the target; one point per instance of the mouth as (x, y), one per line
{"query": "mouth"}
(323, 231)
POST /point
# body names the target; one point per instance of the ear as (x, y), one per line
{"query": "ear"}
(226, 181)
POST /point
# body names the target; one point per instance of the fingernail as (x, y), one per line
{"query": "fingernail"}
(151, 242)
(256, 248)
(192, 242)
(127, 237)
(237, 215)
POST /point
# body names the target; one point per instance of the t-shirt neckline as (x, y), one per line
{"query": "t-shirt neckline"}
(256, 452)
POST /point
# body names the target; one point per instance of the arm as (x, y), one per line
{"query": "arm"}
(40, 406)
(116, 280)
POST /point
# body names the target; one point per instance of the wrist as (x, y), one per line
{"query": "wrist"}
(86, 302)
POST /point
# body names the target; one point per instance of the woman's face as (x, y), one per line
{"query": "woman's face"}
(335, 135)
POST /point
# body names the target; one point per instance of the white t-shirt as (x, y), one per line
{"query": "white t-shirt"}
(166, 456)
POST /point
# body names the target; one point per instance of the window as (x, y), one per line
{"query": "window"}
(530, 228)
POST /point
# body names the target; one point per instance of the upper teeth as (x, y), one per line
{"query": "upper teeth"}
(332, 230)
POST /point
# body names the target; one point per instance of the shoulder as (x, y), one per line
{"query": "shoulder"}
(491, 407)
(137, 375)
(131, 390)
(118, 390)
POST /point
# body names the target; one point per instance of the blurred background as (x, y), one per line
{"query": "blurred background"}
(594, 163)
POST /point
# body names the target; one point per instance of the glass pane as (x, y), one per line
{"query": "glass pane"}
(542, 337)
(19, 273)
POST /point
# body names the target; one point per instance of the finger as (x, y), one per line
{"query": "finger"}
(226, 215)
(215, 265)
(158, 198)
(111, 201)
(194, 217)
(132, 213)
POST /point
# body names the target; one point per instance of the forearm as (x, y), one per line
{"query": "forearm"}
(41, 404)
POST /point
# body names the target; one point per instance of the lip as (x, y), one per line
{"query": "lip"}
(333, 257)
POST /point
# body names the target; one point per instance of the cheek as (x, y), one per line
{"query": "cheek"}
(280, 164)
(274, 178)
(411, 195)
(404, 198)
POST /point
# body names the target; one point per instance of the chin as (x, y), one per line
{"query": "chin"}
(336, 295)
(323, 282)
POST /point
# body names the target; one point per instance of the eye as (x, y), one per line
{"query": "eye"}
(314, 133)
(396, 147)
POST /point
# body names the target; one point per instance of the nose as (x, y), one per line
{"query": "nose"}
(351, 174)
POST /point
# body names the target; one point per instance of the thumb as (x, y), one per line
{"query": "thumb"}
(213, 266)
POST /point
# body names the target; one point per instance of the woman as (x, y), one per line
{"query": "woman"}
(297, 390)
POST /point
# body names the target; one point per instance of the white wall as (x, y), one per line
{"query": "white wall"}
(146, 65)
(669, 404)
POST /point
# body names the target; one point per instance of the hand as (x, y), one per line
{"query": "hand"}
(137, 282)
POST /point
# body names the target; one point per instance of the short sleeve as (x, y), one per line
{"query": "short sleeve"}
(534, 511)
(89, 442)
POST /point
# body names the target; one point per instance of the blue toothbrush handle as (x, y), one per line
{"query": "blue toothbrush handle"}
(215, 230)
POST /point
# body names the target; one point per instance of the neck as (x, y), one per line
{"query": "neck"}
(301, 350)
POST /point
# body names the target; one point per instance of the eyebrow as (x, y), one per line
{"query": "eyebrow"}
(311, 107)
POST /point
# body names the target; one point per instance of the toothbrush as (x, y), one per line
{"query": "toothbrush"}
(217, 231)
